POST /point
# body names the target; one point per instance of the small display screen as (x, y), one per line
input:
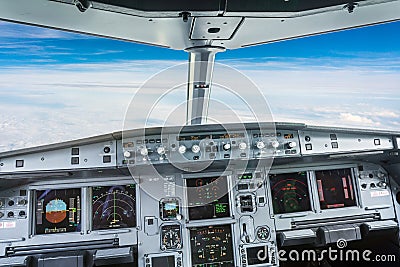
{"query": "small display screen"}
(167, 261)
(212, 246)
(208, 198)
(58, 211)
(257, 255)
(169, 209)
(113, 207)
(290, 192)
(335, 188)
(193, 137)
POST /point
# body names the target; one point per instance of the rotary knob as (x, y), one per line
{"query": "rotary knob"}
(275, 144)
(144, 151)
(1, 215)
(226, 147)
(127, 154)
(242, 146)
(292, 144)
(182, 149)
(161, 150)
(260, 145)
(195, 149)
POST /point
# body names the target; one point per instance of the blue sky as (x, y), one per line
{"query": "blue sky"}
(56, 86)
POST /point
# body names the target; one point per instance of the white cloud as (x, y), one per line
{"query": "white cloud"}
(348, 117)
(53, 103)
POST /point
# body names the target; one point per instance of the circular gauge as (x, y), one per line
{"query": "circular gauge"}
(170, 237)
(56, 211)
(263, 233)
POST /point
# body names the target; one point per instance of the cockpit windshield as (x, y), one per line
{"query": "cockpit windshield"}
(57, 86)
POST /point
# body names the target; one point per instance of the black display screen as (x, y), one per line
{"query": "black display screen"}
(257, 255)
(290, 192)
(167, 261)
(169, 209)
(212, 246)
(113, 207)
(208, 198)
(58, 211)
(335, 188)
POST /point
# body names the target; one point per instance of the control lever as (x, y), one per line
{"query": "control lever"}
(247, 230)
(245, 236)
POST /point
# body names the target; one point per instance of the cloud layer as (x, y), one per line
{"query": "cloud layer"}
(49, 98)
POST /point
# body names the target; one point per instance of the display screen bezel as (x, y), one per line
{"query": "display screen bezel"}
(355, 186)
(232, 239)
(91, 222)
(228, 195)
(35, 196)
(309, 191)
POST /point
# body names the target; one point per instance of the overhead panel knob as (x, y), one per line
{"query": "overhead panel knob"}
(182, 149)
(292, 144)
(260, 145)
(127, 154)
(144, 151)
(161, 150)
(226, 147)
(275, 144)
(242, 146)
(195, 149)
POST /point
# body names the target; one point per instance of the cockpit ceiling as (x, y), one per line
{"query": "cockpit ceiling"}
(219, 5)
(183, 24)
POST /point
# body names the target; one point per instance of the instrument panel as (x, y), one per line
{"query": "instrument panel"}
(221, 215)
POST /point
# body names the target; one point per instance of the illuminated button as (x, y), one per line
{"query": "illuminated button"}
(127, 154)
(242, 146)
(292, 144)
(335, 145)
(260, 145)
(377, 142)
(308, 146)
(182, 149)
(195, 149)
(144, 151)
(275, 144)
(161, 150)
(226, 147)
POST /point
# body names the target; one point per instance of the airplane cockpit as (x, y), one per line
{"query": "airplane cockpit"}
(202, 192)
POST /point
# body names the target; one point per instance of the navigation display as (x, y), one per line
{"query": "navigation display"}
(211, 246)
(208, 198)
(335, 188)
(290, 192)
(58, 211)
(167, 261)
(114, 207)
